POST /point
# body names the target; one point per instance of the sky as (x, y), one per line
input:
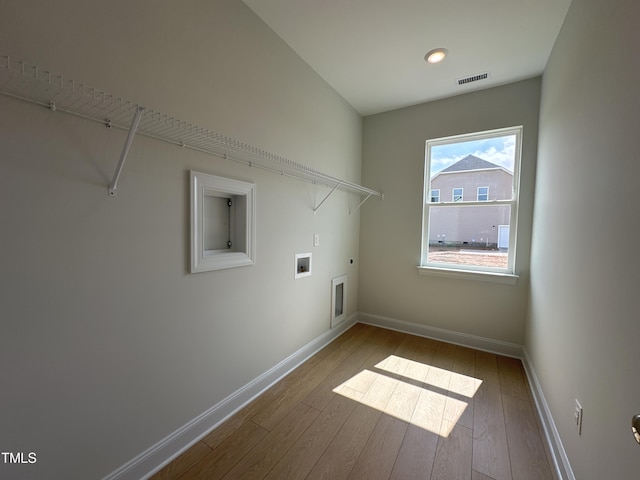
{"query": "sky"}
(498, 150)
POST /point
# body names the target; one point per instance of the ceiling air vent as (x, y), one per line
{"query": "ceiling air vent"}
(472, 78)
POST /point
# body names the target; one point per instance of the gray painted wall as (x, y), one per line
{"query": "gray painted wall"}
(583, 323)
(107, 343)
(393, 161)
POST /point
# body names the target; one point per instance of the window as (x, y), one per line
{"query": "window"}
(435, 196)
(475, 236)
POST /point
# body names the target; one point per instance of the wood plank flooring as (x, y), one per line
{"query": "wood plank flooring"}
(379, 404)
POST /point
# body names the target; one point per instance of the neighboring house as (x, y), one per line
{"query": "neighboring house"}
(471, 179)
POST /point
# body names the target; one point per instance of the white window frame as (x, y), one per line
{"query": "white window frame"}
(453, 194)
(487, 194)
(432, 195)
(499, 275)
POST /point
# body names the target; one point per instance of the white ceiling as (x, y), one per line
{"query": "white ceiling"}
(372, 51)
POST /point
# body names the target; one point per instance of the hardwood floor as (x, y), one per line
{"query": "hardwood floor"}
(379, 404)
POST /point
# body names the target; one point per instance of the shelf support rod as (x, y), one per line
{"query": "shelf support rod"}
(325, 198)
(113, 186)
(360, 204)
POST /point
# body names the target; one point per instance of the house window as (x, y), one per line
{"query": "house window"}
(435, 195)
(472, 235)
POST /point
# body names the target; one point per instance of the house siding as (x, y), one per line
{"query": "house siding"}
(467, 225)
(470, 225)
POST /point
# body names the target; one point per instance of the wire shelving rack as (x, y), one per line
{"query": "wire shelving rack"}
(30, 83)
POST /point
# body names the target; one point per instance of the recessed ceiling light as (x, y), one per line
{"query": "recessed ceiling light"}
(436, 55)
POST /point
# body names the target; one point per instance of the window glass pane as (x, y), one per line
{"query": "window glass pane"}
(487, 162)
(435, 196)
(469, 235)
(483, 194)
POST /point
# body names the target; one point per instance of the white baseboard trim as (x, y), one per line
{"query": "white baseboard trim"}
(167, 449)
(558, 453)
(449, 336)
(154, 458)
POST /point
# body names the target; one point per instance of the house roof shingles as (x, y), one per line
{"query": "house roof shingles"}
(470, 162)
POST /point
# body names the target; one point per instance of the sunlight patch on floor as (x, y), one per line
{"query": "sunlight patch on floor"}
(438, 377)
(423, 395)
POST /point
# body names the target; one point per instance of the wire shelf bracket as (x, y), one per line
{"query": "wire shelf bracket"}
(113, 186)
(29, 83)
(315, 209)
(360, 204)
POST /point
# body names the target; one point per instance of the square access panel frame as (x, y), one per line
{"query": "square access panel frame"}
(209, 219)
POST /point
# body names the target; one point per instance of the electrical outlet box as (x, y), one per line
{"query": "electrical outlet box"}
(577, 417)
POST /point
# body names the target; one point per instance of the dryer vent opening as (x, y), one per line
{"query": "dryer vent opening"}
(338, 300)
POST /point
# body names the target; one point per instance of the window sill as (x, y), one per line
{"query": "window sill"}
(493, 277)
